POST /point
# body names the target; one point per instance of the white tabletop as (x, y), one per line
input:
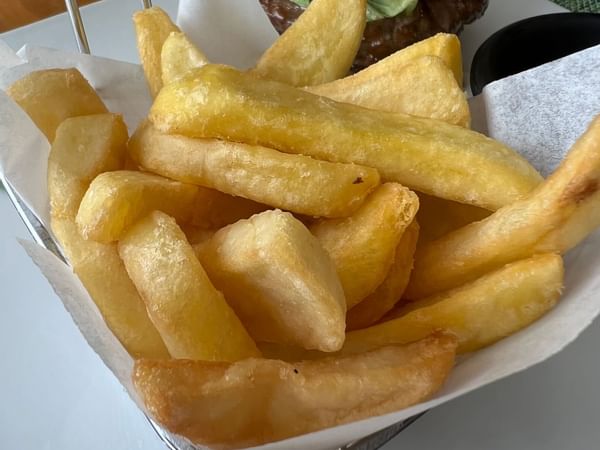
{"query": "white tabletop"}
(55, 392)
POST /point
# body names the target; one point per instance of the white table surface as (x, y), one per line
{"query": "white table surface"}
(55, 392)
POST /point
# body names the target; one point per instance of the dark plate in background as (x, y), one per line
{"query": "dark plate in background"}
(532, 42)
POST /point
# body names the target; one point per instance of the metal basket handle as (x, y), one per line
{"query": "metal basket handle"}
(77, 24)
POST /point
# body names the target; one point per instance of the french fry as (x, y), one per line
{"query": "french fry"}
(191, 316)
(479, 313)
(438, 217)
(152, 28)
(584, 220)
(211, 209)
(255, 401)
(116, 200)
(422, 86)
(424, 154)
(279, 281)
(443, 45)
(319, 47)
(85, 147)
(178, 56)
(389, 292)
(554, 218)
(51, 96)
(103, 274)
(362, 246)
(292, 182)
(418, 85)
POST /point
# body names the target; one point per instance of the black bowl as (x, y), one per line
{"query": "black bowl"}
(530, 43)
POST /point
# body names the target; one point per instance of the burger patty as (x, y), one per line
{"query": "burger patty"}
(384, 37)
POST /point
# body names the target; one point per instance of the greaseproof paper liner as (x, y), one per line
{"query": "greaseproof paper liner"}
(234, 32)
(518, 111)
(550, 106)
(8, 58)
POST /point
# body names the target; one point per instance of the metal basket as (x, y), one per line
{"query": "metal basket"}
(42, 237)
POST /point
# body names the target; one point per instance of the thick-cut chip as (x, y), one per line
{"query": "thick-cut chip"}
(387, 294)
(279, 280)
(178, 56)
(425, 154)
(83, 148)
(423, 86)
(103, 274)
(292, 182)
(256, 401)
(554, 218)
(479, 313)
(152, 28)
(319, 47)
(51, 96)
(438, 216)
(214, 209)
(191, 316)
(362, 246)
(584, 220)
(116, 200)
(443, 45)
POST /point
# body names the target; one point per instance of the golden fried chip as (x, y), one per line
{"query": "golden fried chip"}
(363, 245)
(279, 280)
(422, 86)
(423, 154)
(389, 292)
(103, 275)
(319, 47)
(554, 218)
(53, 95)
(292, 182)
(479, 313)
(83, 148)
(178, 56)
(191, 316)
(152, 28)
(116, 200)
(256, 401)
(443, 45)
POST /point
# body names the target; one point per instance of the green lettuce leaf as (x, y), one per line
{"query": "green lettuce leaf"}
(380, 9)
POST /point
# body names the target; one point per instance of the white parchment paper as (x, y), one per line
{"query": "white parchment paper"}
(549, 106)
(524, 111)
(234, 32)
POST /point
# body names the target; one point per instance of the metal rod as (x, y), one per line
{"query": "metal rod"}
(78, 28)
(380, 438)
(147, 3)
(34, 226)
